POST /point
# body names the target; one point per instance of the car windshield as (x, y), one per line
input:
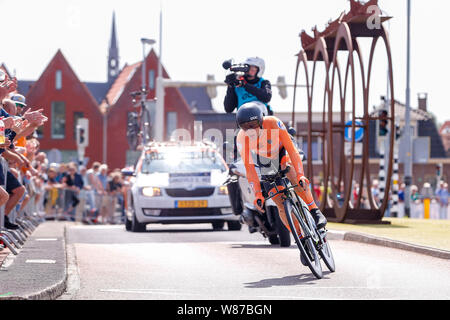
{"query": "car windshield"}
(181, 162)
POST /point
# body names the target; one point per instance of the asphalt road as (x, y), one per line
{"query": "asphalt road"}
(193, 262)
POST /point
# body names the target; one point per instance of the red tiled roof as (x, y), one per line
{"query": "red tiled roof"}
(445, 125)
(119, 85)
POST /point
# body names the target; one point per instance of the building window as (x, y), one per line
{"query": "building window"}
(315, 146)
(40, 132)
(58, 120)
(58, 80)
(151, 79)
(171, 123)
(76, 115)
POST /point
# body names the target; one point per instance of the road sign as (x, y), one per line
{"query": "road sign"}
(359, 131)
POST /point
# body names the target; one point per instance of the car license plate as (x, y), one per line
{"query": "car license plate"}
(190, 179)
(191, 204)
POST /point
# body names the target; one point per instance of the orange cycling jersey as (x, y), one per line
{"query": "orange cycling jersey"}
(271, 143)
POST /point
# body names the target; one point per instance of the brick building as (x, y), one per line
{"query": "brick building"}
(65, 98)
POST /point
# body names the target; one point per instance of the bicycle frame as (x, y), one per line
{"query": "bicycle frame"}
(288, 194)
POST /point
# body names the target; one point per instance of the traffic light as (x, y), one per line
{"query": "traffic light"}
(82, 136)
(438, 169)
(383, 123)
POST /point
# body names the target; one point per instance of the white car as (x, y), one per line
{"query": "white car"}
(179, 184)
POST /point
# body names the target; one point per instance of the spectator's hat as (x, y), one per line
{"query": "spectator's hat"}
(19, 100)
(54, 165)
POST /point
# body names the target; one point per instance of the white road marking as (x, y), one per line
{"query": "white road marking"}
(46, 239)
(40, 261)
(150, 291)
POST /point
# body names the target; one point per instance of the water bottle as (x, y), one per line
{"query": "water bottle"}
(2, 132)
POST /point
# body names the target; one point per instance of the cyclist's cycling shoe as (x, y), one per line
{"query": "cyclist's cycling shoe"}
(252, 229)
(319, 218)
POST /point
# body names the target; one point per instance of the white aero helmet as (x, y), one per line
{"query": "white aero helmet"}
(257, 62)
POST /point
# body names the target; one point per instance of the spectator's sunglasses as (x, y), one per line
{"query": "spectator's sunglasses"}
(20, 105)
(250, 125)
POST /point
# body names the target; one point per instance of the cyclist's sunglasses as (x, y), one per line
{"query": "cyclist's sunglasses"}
(250, 125)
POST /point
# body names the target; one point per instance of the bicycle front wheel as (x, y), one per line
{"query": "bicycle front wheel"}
(304, 242)
(326, 253)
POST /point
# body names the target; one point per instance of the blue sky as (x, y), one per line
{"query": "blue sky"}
(199, 34)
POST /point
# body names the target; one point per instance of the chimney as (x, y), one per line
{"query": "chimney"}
(422, 99)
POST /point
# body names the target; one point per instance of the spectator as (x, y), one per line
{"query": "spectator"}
(415, 196)
(114, 190)
(62, 171)
(73, 183)
(103, 178)
(53, 188)
(401, 193)
(95, 194)
(375, 192)
(316, 189)
(442, 197)
(83, 195)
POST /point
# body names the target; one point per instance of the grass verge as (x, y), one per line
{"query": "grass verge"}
(430, 233)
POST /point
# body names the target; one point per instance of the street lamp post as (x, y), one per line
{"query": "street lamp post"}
(144, 41)
(159, 112)
(408, 138)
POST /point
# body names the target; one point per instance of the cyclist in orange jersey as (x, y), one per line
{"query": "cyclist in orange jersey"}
(265, 142)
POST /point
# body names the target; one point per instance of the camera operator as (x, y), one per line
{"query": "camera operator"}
(250, 87)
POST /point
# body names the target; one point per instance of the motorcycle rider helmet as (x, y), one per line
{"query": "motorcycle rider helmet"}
(248, 114)
(257, 62)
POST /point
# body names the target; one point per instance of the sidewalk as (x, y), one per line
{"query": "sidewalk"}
(39, 270)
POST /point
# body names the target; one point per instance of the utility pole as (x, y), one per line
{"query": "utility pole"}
(408, 138)
(159, 112)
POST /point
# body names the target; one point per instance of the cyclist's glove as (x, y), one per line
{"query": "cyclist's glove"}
(303, 182)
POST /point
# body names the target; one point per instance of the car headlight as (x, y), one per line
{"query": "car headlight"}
(223, 190)
(151, 192)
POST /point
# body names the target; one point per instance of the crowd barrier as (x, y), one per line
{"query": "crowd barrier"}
(88, 208)
(27, 219)
(418, 211)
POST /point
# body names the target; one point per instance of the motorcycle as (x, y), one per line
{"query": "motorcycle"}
(242, 197)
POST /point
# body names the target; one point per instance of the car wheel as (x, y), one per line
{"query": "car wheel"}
(234, 225)
(218, 225)
(127, 224)
(136, 226)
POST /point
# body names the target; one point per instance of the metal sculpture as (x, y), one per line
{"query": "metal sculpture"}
(338, 170)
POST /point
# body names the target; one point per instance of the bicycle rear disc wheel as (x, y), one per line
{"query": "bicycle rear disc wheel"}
(306, 245)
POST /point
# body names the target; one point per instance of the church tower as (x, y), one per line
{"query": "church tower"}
(113, 55)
